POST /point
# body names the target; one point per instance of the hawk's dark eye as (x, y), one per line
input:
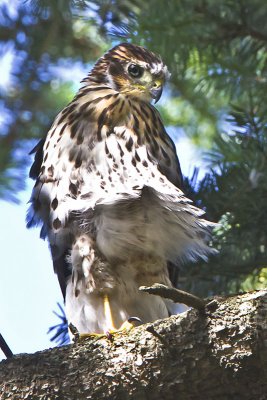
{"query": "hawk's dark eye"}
(135, 71)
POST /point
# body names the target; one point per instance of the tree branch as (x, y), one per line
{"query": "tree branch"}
(5, 348)
(193, 356)
(176, 295)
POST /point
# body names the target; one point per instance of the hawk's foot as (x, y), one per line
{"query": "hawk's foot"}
(124, 328)
(111, 331)
(79, 337)
(109, 334)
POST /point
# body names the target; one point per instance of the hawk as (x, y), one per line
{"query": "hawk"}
(108, 194)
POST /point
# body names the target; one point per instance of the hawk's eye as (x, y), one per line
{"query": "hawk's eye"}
(135, 71)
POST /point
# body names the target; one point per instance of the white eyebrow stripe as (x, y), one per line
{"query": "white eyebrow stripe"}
(154, 68)
(157, 68)
(143, 64)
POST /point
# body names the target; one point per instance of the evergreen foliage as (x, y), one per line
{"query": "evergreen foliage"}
(216, 52)
(41, 38)
(59, 332)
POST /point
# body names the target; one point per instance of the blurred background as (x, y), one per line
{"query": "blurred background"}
(214, 108)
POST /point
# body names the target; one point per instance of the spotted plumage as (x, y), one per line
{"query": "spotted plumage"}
(108, 194)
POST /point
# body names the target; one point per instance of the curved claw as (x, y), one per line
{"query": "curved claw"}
(135, 319)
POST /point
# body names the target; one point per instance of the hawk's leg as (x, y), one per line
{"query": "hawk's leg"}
(111, 330)
(126, 326)
(93, 276)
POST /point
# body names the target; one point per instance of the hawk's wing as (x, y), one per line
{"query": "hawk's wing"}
(172, 171)
(117, 177)
(60, 265)
(169, 164)
(38, 159)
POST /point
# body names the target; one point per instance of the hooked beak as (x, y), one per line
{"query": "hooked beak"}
(156, 90)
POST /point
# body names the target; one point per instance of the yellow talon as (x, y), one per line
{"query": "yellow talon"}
(126, 326)
(111, 330)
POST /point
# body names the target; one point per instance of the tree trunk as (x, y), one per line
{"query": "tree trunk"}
(219, 354)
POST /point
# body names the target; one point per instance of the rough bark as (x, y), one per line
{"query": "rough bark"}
(220, 354)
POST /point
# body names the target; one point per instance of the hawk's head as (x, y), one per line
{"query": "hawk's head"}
(132, 70)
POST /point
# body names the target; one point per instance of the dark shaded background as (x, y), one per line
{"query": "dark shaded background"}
(216, 52)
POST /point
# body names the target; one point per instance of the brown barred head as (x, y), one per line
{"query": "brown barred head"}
(132, 70)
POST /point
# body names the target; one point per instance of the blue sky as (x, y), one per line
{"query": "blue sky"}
(29, 289)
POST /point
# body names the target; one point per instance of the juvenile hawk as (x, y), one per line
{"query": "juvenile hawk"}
(108, 194)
